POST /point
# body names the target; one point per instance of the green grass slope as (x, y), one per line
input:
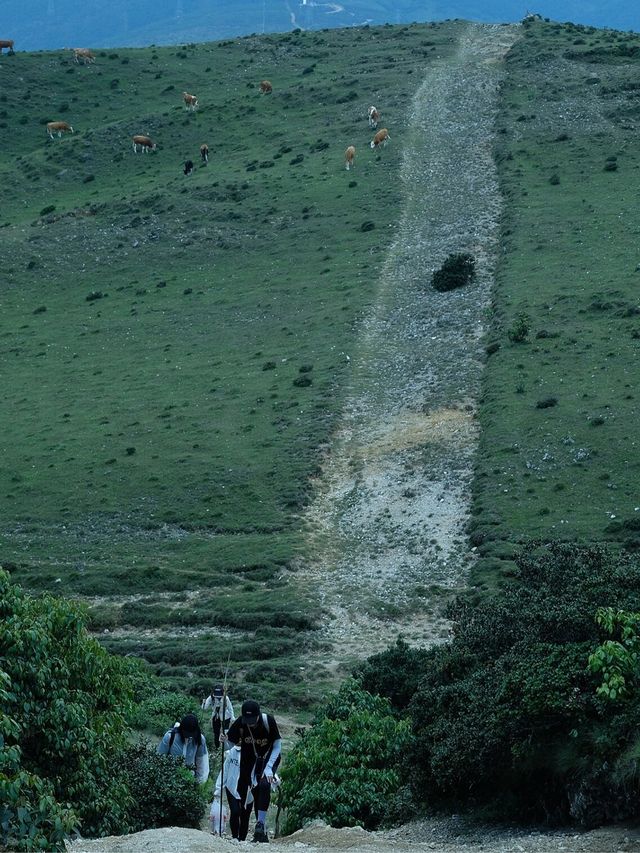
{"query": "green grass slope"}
(559, 447)
(173, 348)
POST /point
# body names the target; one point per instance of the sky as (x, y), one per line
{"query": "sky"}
(55, 24)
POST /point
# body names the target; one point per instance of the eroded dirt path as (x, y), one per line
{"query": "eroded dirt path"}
(386, 527)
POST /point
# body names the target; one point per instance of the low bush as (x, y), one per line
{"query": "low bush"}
(156, 713)
(519, 331)
(164, 792)
(345, 768)
(456, 271)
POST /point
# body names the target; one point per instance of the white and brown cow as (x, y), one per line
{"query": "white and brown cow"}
(204, 153)
(144, 143)
(83, 54)
(381, 138)
(190, 101)
(374, 117)
(58, 127)
(8, 43)
(265, 87)
(349, 157)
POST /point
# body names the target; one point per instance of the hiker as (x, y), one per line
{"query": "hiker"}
(259, 740)
(238, 821)
(221, 706)
(185, 740)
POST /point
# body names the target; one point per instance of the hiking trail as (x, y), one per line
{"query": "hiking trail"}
(386, 527)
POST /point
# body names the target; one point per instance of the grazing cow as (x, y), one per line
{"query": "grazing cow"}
(84, 54)
(380, 138)
(204, 153)
(349, 157)
(374, 117)
(8, 43)
(190, 101)
(58, 127)
(145, 144)
(188, 167)
(265, 87)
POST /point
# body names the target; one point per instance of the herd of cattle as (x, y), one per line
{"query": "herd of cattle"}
(143, 143)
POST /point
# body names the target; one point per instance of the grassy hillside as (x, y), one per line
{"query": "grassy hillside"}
(174, 348)
(559, 447)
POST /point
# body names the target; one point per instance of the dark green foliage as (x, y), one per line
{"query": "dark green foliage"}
(519, 331)
(63, 721)
(547, 403)
(456, 271)
(345, 768)
(159, 709)
(506, 715)
(164, 792)
(394, 674)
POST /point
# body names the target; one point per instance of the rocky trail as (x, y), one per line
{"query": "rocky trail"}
(450, 836)
(386, 528)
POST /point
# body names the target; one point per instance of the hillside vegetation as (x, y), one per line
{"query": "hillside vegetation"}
(559, 450)
(176, 349)
(176, 346)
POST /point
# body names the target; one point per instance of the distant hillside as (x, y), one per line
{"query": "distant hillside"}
(50, 24)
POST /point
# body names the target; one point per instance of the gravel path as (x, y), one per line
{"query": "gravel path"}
(386, 526)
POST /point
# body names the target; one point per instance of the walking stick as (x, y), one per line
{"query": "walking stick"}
(223, 730)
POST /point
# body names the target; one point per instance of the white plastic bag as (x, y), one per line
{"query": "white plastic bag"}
(214, 818)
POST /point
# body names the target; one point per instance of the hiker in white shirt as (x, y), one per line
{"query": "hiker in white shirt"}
(221, 707)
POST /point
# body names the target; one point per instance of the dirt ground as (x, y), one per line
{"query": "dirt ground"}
(450, 836)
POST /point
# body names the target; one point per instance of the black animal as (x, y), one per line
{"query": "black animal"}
(188, 167)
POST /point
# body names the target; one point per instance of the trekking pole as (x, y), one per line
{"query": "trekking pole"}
(223, 730)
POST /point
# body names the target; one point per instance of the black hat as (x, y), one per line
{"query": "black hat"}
(189, 726)
(218, 690)
(250, 712)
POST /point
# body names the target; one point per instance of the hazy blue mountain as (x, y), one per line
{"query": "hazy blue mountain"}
(50, 24)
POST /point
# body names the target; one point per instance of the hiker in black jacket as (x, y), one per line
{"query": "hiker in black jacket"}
(259, 740)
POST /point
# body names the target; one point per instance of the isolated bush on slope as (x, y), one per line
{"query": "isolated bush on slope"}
(507, 714)
(345, 768)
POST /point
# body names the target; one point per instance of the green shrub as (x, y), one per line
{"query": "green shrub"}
(519, 331)
(506, 716)
(456, 271)
(344, 769)
(158, 712)
(62, 723)
(164, 792)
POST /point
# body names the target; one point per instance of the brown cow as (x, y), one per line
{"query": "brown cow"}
(374, 117)
(266, 88)
(58, 127)
(8, 43)
(349, 157)
(145, 144)
(84, 54)
(380, 138)
(190, 101)
(204, 153)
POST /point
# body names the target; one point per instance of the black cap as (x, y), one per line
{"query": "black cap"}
(218, 690)
(250, 712)
(189, 725)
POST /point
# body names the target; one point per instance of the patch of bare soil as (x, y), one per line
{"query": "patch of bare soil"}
(386, 527)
